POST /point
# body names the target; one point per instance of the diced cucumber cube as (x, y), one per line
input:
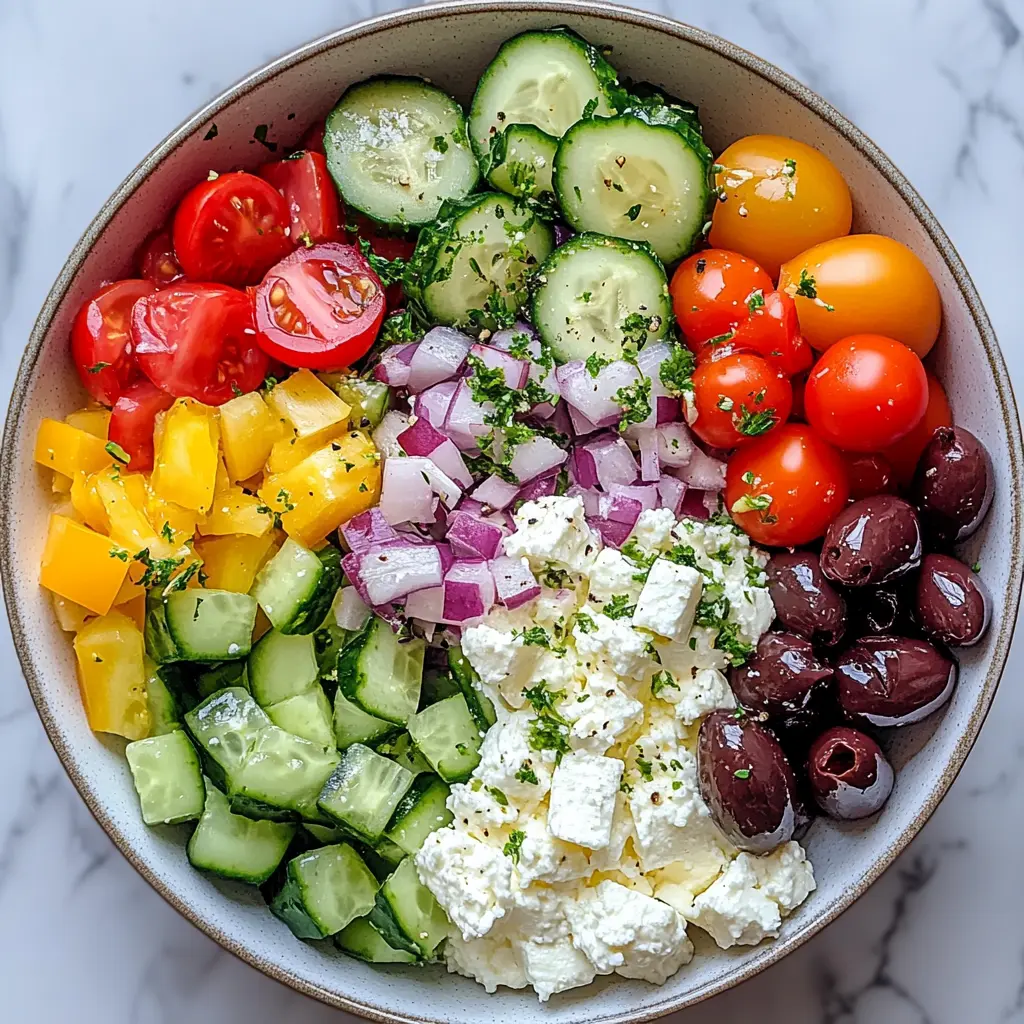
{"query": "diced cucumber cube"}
(167, 778)
(414, 908)
(281, 666)
(448, 737)
(364, 791)
(307, 715)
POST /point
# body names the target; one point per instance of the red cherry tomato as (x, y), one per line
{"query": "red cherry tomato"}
(231, 229)
(320, 307)
(711, 291)
(390, 247)
(903, 456)
(772, 330)
(312, 199)
(866, 392)
(784, 489)
(132, 419)
(156, 260)
(739, 398)
(101, 341)
(313, 140)
(869, 474)
(198, 340)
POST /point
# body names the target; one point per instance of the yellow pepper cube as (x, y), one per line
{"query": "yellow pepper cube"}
(186, 454)
(326, 489)
(82, 565)
(129, 527)
(307, 403)
(112, 676)
(288, 452)
(175, 524)
(234, 511)
(86, 501)
(248, 430)
(70, 616)
(92, 421)
(231, 562)
(68, 450)
(135, 609)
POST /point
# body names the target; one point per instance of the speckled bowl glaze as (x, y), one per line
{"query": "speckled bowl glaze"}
(738, 94)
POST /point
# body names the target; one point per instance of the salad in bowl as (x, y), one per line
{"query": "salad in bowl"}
(499, 533)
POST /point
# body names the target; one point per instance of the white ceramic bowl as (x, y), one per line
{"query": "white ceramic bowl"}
(738, 94)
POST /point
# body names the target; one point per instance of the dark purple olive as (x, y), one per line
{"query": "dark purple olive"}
(892, 681)
(805, 602)
(953, 485)
(746, 781)
(872, 541)
(882, 610)
(781, 677)
(849, 775)
(952, 603)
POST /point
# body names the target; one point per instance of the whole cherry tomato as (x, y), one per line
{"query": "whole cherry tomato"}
(132, 420)
(156, 260)
(780, 197)
(101, 341)
(231, 229)
(303, 180)
(903, 456)
(869, 474)
(865, 393)
(773, 330)
(784, 489)
(739, 398)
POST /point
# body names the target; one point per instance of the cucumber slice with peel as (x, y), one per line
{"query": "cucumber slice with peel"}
(522, 164)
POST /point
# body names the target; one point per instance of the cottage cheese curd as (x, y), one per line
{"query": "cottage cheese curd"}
(581, 845)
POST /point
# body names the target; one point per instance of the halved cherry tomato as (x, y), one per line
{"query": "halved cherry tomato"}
(320, 307)
(904, 455)
(132, 419)
(156, 260)
(313, 140)
(312, 199)
(869, 474)
(710, 293)
(739, 398)
(784, 489)
(199, 341)
(101, 341)
(232, 229)
(865, 393)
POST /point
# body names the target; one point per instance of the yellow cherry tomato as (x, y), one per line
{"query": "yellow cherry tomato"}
(780, 198)
(863, 284)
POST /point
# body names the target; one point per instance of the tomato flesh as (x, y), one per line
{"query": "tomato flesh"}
(101, 340)
(320, 308)
(157, 261)
(303, 180)
(198, 341)
(232, 229)
(132, 420)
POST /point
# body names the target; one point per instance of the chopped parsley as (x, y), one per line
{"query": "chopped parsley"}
(635, 401)
(619, 607)
(389, 271)
(158, 570)
(741, 773)
(755, 300)
(588, 110)
(752, 503)
(514, 845)
(661, 681)
(119, 553)
(499, 798)
(286, 500)
(645, 768)
(167, 533)
(636, 327)
(96, 367)
(440, 144)
(754, 424)
(676, 371)
(585, 622)
(259, 133)
(398, 329)
(211, 132)
(549, 730)
(808, 288)
(527, 774)
(596, 363)
(115, 451)
(634, 211)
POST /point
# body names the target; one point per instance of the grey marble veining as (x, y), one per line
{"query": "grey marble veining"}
(87, 88)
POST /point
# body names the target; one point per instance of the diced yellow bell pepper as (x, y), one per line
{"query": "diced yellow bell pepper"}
(92, 421)
(288, 452)
(235, 511)
(307, 403)
(82, 565)
(130, 589)
(129, 526)
(71, 617)
(112, 676)
(186, 454)
(248, 429)
(231, 563)
(175, 524)
(67, 449)
(60, 484)
(86, 501)
(326, 489)
(135, 609)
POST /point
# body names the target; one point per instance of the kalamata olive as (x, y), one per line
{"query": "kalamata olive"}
(953, 485)
(952, 603)
(882, 610)
(746, 781)
(892, 681)
(805, 602)
(781, 677)
(850, 777)
(872, 541)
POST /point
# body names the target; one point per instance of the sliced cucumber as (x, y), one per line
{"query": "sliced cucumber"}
(397, 148)
(281, 665)
(368, 399)
(160, 644)
(390, 853)
(400, 748)
(522, 162)
(546, 78)
(480, 706)
(220, 677)
(384, 921)
(167, 778)
(361, 940)
(353, 725)
(596, 293)
(414, 908)
(364, 791)
(475, 261)
(165, 715)
(226, 726)
(641, 175)
(307, 715)
(199, 625)
(325, 835)
(448, 737)
(324, 890)
(422, 810)
(233, 846)
(382, 674)
(296, 587)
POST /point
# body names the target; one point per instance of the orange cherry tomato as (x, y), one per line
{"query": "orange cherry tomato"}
(865, 393)
(738, 399)
(863, 284)
(903, 456)
(780, 197)
(784, 489)
(869, 474)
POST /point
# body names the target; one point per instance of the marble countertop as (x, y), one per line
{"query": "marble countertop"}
(86, 89)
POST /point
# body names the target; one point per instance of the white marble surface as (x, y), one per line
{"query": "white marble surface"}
(86, 88)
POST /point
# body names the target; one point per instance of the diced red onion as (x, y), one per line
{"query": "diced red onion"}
(366, 530)
(393, 569)
(426, 604)
(650, 464)
(394, 367)
(712, 501)
(667, 409)
(693, 505)
(541, 487)
(625, 502)
(473, 537)
(506, 336)
(468, 591)
(702, 472)
(447, 557)
(385, 437)
(422, 438)
(675, 445)
(536, 456)
(433, 403)
(406, 494)
(595, 396)
(443, 485)
(350, 610)
(495, 493)
(581, 426)
(612, 533)
(562, 233)
(583, 466)
(464, 422)
(513, 581)
(438, 356)
(671, 493)
(559, 420)
(591, 499)
(516, 371)
(613, 461)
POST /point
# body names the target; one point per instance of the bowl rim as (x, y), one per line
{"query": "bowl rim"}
(380, 24)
